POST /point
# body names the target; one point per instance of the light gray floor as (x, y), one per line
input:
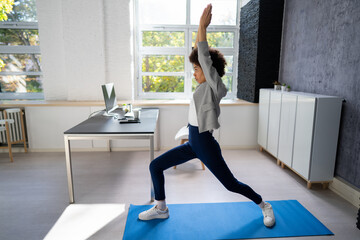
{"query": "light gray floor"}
(34, 194)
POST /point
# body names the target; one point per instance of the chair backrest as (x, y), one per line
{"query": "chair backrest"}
(16, 128)
(183, 133)
(2, 130)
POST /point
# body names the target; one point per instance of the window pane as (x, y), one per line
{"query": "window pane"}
(163, 39)
(163, 63)
(163, 84)
(217, 39)
(223, 11)
(227, 80)
(21, 62)
(21, 83)
(17, 37)
(23, 11)
(162, 11)
(229, 66)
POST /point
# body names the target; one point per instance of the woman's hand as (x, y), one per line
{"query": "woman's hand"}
(205, 18)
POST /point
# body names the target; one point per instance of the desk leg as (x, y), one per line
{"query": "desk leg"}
(108, 145)
(69, 169)
(152, 197)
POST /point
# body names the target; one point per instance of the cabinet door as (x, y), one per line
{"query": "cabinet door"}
(264, 99)
(304, 125)
(274, 122)
(287, 128)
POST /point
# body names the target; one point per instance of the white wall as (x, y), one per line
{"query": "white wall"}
(244, 2)
(85, 43)
(46, 125)
(119, 46)
(52, 48)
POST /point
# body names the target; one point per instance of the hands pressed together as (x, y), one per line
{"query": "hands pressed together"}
(205, 18)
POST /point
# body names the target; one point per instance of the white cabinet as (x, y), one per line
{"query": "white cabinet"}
(287, 128)
(274, 122)
(302, 132)
(264, 100)
(303, 135)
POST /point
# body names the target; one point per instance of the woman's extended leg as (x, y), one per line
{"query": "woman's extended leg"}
(209, 152)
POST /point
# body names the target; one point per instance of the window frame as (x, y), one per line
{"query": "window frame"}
(20, 50)
(140, 51)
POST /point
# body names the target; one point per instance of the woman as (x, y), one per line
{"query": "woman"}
(209, 66)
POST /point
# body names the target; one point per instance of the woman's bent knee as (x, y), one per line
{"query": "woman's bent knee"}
(152, 166)
(155, 167)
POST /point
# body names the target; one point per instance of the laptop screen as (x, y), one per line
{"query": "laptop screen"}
(109, 97)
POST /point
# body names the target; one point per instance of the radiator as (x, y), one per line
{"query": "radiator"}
(2, 133)
(15, 128)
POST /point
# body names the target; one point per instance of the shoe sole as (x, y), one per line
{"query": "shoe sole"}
(160, 217)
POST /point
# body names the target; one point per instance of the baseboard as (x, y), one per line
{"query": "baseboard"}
(166, 148)
(63, 150)
(103, 149)
(346, 191)
(229, 147)
(118, 149)
(20, 149)
(13, 149)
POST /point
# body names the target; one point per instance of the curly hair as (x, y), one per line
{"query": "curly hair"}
(217, 58)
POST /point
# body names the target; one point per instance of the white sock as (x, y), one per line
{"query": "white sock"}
(262, 204)
(161, 204)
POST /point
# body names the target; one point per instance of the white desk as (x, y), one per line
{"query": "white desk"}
(101, 127)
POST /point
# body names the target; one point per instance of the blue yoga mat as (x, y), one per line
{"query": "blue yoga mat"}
(234, 220)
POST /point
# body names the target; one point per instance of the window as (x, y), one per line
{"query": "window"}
(20, 72)
(166, 33)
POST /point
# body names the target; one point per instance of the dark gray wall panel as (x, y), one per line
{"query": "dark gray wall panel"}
(259, 47)
(248, 43)
(321, 54)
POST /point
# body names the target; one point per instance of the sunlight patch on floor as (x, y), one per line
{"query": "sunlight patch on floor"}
(81, 221)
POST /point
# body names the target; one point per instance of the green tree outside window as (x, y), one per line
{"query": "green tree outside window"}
(20, 11)
(176, 63)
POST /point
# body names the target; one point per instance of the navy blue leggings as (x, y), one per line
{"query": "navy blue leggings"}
(206, 148)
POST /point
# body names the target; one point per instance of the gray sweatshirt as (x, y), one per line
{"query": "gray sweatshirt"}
(207, 95)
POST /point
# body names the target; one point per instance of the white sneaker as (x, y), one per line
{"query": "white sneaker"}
(154, 213)
(269, 218)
